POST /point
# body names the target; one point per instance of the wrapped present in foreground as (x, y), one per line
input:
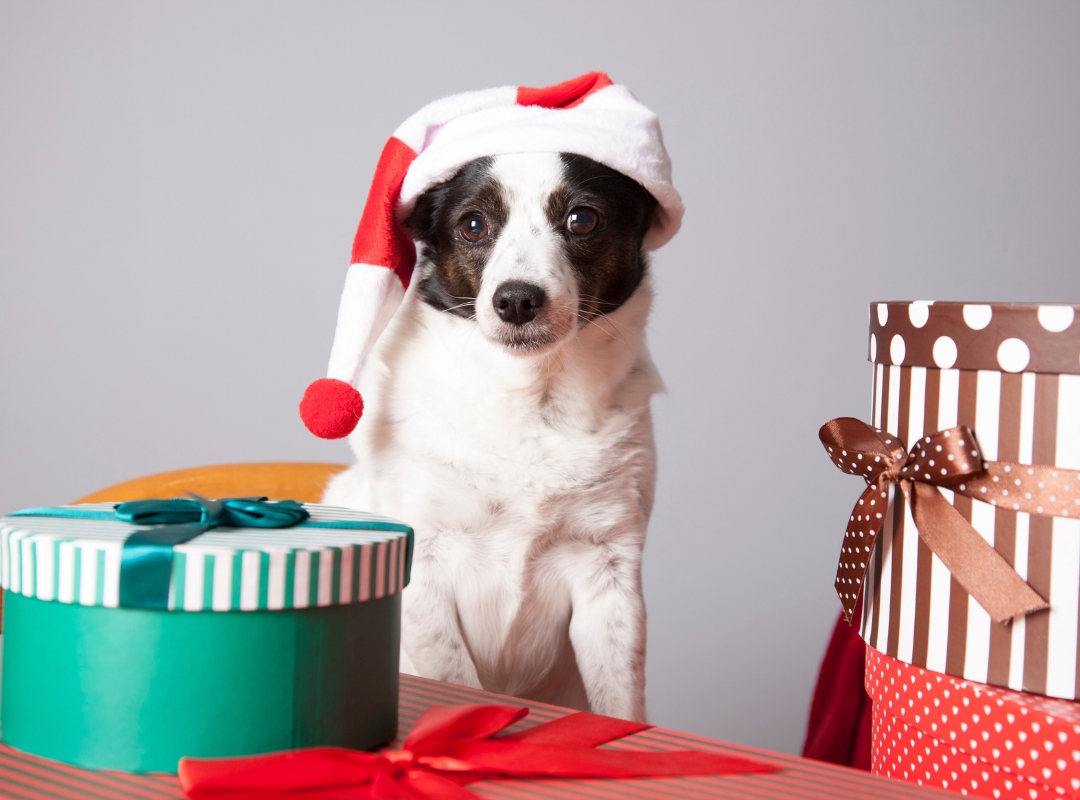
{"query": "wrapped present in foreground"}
(139, 634)
(966, 540)
(939, 731)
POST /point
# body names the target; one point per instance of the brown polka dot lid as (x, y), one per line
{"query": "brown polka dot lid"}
(1011, 337)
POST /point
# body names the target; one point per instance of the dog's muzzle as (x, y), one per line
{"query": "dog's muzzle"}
(518, 302)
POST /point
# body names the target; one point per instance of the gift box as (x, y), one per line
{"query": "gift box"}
(979, 740)
(129, 644)
(1003, 381)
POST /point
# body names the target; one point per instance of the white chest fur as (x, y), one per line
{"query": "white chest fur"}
(522, 477)
(519, 445)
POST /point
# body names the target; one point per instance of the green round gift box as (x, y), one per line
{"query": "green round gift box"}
(135, 689)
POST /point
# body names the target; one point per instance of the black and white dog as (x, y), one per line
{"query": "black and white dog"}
(509, 423)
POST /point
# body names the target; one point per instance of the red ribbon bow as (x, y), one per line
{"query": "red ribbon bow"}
(450, 746)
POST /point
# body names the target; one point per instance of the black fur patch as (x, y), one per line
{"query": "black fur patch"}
(451, 268)
(609, 261)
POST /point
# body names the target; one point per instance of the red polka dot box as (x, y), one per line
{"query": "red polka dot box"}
(1008, 374)
(978, 740)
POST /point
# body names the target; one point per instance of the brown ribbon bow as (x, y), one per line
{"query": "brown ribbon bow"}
(950, 459)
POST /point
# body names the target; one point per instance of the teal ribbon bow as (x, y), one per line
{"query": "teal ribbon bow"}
(146, 559)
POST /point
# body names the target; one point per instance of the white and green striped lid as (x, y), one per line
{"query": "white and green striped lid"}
(226, 569)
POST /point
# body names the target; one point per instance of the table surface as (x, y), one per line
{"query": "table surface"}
(26, 777)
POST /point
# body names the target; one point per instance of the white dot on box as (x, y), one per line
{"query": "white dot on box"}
(1056, 318)
(919, 312)
(944, 352)
(897, 349)
(873, 347)
(977, 316)
(1013, 355)
(882, 313)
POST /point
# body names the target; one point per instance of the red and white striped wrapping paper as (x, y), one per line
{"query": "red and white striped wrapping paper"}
(25, 777)
(1010, 372)
(935, 730)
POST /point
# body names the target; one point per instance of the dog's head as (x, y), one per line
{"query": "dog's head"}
(531, 246)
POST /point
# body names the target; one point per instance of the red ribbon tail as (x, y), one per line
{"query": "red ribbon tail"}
(460, 724)
(307, 773)
(582, 729)
(451, 747)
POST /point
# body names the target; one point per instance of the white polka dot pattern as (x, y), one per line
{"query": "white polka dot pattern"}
(897, 349)
(977, 740)
(1013, 355)
(1042, 490)
(949, 458)
(919, 312)
(944, 352)
(1009, 337)
(1056, 318)
(977, 316)
(870, 456)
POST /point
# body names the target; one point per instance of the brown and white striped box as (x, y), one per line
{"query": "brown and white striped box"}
(1010, 372)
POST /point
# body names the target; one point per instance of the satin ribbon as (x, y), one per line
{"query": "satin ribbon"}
(451, 746)
(147, 555)
(948, 459)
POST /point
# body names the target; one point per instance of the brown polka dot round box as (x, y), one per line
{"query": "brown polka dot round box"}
(968, 556)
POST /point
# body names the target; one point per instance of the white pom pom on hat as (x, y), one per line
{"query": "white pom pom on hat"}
(587, 115)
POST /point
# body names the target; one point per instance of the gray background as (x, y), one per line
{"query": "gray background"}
(179, 186)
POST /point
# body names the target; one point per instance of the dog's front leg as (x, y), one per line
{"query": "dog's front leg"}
(607, 629)
(431, 635)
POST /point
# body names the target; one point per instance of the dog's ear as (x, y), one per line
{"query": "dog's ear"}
(428, 220)
(648, 209)
(633, 203)
(639, 204)
(423, 222)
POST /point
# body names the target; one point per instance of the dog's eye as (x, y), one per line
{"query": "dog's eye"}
(581, 220)
(474, 228)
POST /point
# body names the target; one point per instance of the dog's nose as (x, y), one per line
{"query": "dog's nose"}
(518, 302)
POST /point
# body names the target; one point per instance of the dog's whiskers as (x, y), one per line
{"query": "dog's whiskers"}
(599, 303)
(614, 334)
(460, 305)
(611, 321)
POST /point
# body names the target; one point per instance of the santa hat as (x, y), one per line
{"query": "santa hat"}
(588, 116)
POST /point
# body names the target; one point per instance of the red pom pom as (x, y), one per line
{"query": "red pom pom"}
(331, 408)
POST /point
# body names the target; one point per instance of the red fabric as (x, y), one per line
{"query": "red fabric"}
(380, 240)
(839, 730)
(563, 95)
(331, 408)
(451, 746)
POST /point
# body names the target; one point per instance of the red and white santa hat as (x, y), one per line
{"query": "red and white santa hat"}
(587, 115)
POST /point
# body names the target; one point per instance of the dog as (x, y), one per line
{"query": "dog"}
(509, 424)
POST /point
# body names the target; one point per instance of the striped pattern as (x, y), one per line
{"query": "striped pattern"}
(226, 569)
(914, 610)
(24, 777)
